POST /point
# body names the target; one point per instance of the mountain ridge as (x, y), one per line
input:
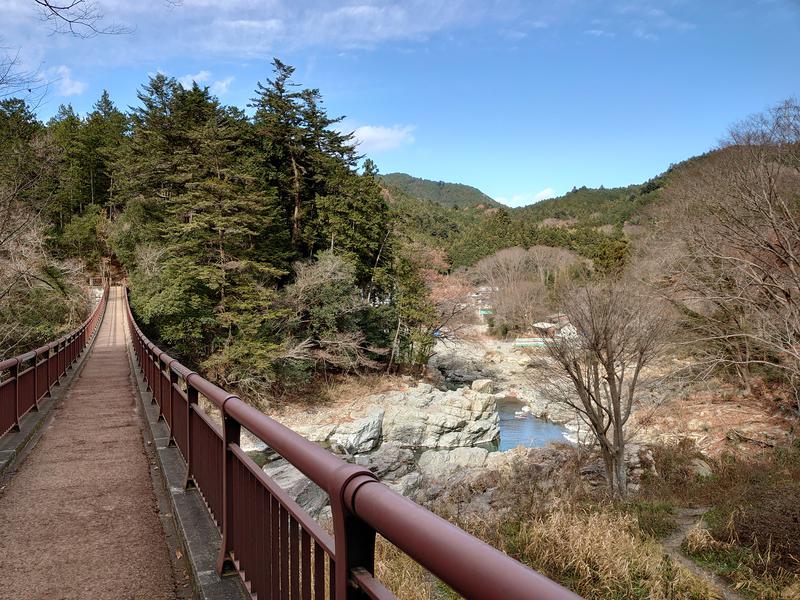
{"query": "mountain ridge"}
(447, 194)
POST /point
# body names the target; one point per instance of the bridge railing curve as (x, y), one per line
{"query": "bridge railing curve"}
(277, 548)
(30, 377)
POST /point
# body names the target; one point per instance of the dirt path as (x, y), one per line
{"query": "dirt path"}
(80, 518)
(686, 519)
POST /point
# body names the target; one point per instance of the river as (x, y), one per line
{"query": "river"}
(522, 428)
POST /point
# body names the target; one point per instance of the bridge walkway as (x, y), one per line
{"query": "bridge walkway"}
(80, 519)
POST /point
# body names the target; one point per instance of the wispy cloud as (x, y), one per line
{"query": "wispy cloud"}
(649, 22)
(599, 33)
(378, 138)
(528, 198)
(515, 199)
(198, 78)
(246, 29)
(65, 84)
(218, 87)
(544, 194)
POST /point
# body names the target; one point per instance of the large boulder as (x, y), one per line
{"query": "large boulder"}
(404, 425)
(319, 434)
(700, 468)
(299, 487)
(359, 435)
(483, 386)
(441, 464)
(436, 419)
(389, 462)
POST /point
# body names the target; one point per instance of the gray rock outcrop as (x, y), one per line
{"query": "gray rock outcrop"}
(359, 435)
(436, 419)
(304, 491)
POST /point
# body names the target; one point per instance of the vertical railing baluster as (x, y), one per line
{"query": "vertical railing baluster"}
(294, 559)
(35, 403)
(275, 548)
(49, 385)
(231, 434)
(191, 398)
(305, 564)
(173, 382)
(15, 378)
(353, 538)
(262, 564)
(284, 535)
(332, 582)
(319, 572)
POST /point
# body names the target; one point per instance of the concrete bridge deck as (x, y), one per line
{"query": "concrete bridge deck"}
(80, 518)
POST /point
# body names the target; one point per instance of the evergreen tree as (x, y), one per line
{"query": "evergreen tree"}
(104, 132)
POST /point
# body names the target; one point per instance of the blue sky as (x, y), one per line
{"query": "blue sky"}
(522, 99)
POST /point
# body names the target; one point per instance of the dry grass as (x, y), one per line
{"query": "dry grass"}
(339, 394)
(599, 554)
(751, 571)
(404, 577)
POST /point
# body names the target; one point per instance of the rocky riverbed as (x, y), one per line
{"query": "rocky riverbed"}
(416, 439)
(516, 373)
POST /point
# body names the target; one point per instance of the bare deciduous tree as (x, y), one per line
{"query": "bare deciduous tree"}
(738, 275)
(621, 329)
(521, 282)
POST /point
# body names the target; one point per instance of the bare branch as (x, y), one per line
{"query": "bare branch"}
(81, 18)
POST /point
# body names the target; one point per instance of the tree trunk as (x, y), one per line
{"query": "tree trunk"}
(296, 212)
(394, 345)
(608, 460)
(621, 473)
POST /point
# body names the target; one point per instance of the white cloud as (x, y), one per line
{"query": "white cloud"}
(198, 78)
(599, 33)
(544, 194)
(647, 22)
(525, 199)
(66, 85)
(220, 87)
(377, 138)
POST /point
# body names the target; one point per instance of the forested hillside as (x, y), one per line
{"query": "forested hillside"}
(260, 248)
(589, 222)
(595, 207)
(253, 247)
(447, 194)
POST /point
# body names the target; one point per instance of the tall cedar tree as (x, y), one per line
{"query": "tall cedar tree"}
(325, 205)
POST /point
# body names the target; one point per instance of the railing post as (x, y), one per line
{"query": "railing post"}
(15, 378)
(59, 358)
(231, 433)
(354, 539)
(158, 383)
(35, 381)
(191, 398)
(173, 381)
(47, 362)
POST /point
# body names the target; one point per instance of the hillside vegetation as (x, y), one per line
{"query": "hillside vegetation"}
(440, 192)
(261, 251)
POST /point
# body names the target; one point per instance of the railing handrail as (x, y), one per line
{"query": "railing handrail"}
(26, 356)
(21, 391)
(360, 505)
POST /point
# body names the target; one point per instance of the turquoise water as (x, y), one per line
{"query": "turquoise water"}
(528, 431)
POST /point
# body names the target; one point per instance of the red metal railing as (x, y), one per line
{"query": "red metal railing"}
(30, 376)
(277, 548)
